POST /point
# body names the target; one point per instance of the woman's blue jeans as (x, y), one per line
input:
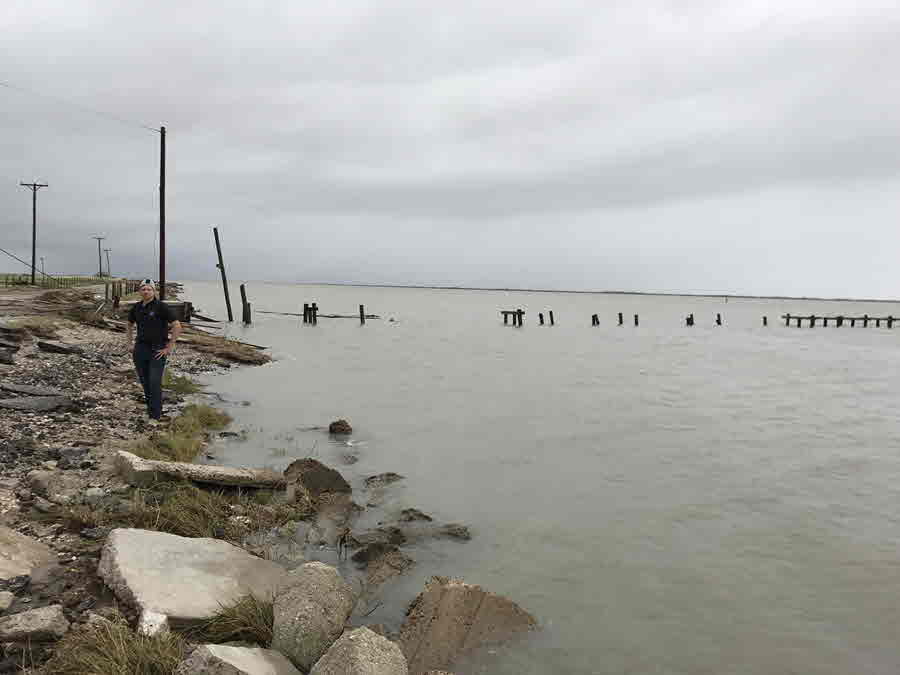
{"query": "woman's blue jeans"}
(150, 373)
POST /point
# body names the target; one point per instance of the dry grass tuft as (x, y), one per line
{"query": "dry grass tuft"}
(249, 619)
(180, 384)
(112, 648)
(185, 435)
(189, 511)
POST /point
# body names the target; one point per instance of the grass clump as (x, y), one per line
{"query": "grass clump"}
(180, 384)
(189, 511)
(185, 435)
(249, 619)
(112, 648)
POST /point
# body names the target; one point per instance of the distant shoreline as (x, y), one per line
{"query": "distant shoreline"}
(730, 296)
(648, 293)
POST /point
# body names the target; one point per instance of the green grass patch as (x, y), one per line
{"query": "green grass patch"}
(180, 384)
(249, 619)
(184, 436)
(112, 648)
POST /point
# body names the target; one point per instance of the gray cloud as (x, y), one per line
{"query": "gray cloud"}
(478, 143)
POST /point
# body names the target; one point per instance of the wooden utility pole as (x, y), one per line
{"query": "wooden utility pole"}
(34, 187)
(221, 267)
(108, 270)
(162, 213)
(99, 255)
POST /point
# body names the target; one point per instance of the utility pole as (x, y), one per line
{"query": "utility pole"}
(99, 256)
(34, 187)
(108, 270)
(162, 213)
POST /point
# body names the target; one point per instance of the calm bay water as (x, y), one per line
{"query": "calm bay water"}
(664, 499)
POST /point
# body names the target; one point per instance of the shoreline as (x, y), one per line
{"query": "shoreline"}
(662, 294)
(66, 491)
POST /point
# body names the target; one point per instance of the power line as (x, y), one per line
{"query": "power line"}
(83, 108)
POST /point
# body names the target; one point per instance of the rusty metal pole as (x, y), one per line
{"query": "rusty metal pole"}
(162, 213)
(221, 267)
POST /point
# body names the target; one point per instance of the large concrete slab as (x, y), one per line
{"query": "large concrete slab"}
(451, 617)
(185, 579)
(226, 660)
(20, 554)
(144, 472)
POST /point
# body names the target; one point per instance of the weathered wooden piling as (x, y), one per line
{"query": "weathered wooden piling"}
(245, 313)
(305, 312)
(541, 318)
(552, 322)
(877, 323)
(890, 321)
(799, 321)
(689, 319)
(718, 319)
(519, 315)
(765, 321)
(852, 321)
(595, 320)
(787, 319)
(621, 319)
(636, 320)
(314, 312)
(865, 320)
(221, 266)
(840, 321)
(247, 319)
(812, 322)
(362, 315)
(505, 318)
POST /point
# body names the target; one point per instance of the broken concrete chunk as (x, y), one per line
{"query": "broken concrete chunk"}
(19, 554)
(362, 652)
(59, 347)
(38, 403)
(44, 624)
(185, 579)
(310, 613)
(144, 472)
(226, 660)
(451, 617)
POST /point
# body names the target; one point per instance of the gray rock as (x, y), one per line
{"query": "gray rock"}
(144, 472)
(226, 660)
(93, 496)
(183, 578)
(6, 357)
(28, 390)
(383, 479)
(71, 458)
(340, 427)
(57, 486)
(59, 348)
(310, 613)
(37, 403)
(44, 624)
(362, 652)
(6, 600)
(312, 478)
(9, 344)
(451, 617)
(43, 505)
(20, 554)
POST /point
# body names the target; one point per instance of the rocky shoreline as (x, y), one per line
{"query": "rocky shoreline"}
(95, 538)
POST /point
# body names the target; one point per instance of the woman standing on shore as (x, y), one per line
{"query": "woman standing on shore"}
(154, 321)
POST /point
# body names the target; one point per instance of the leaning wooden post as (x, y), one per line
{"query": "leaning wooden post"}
(244, 312)
(221, 266)
(718, 319)
(247, 319)
(362, 315)
(541, 318)
(551, 318)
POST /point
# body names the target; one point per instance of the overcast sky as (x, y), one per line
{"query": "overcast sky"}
(697, 146)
